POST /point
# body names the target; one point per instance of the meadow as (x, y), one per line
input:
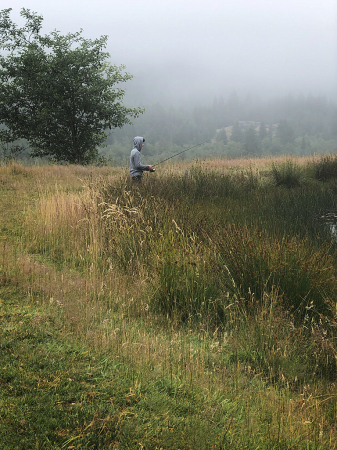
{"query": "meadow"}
(193, 310)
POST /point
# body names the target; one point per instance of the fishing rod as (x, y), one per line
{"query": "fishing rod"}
(178, 154)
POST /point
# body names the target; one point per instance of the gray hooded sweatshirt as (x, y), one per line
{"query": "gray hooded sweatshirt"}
(136, 166)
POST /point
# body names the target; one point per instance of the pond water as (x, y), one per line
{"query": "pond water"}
(330, 219)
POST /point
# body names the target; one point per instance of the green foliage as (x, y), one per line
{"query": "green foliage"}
(274, 343)
(182, 274)
(58, 92)
(199, 256)
(58, 393)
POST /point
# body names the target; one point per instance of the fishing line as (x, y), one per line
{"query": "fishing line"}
(194, 146)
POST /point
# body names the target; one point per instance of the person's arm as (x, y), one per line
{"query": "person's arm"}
(138, 163)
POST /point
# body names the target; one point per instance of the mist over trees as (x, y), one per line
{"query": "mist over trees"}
(234, 127)
(58, 97)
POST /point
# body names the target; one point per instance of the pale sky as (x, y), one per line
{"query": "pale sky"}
(198, 49)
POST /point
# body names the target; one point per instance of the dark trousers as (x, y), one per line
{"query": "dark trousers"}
(137, 178)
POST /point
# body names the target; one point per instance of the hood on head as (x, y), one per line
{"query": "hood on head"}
(138, 142)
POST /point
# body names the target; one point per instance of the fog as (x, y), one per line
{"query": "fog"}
(188, 51)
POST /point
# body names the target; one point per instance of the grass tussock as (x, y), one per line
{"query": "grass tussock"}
(287, 174)
(326, 168)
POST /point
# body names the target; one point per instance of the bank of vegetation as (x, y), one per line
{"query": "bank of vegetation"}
(194, 310)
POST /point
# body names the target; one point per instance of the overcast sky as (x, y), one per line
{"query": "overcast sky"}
(198, 49)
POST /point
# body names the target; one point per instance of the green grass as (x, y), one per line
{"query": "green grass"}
(59, 393)
(195, 311)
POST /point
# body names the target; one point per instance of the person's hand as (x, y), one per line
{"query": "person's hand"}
(151, 168)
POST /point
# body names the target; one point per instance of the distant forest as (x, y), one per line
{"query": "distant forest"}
(232, 127)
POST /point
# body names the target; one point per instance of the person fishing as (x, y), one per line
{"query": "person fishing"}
(136, 166)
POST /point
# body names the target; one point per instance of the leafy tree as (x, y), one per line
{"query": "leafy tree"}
(58, 92)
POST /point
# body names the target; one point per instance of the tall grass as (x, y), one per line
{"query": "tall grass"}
(326, 168)
(288, 174)
(240, 239)
(286, 248)
(215, 288)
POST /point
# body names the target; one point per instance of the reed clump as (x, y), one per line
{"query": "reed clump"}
(287, 174)
(326, 168)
